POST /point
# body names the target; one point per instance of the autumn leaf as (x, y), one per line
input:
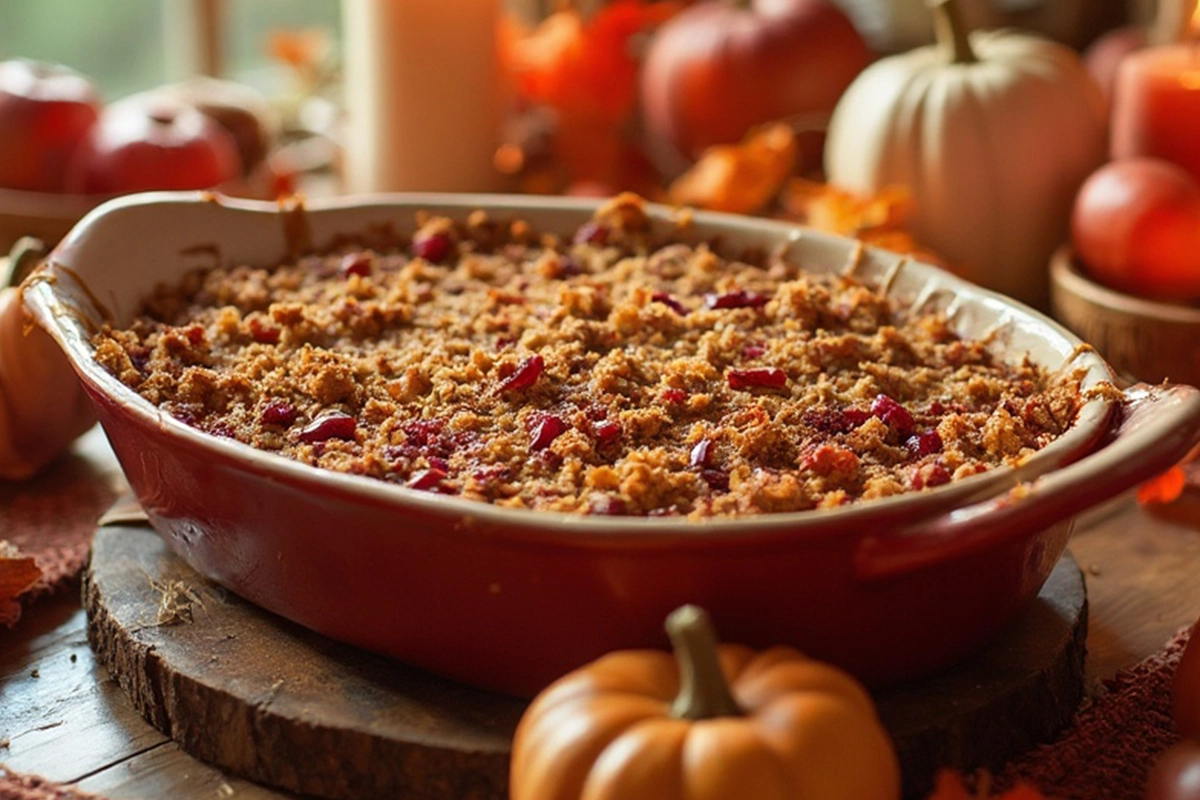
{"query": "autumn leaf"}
(742, 178)
(17, 574)
(1163, 489)
(301, 49)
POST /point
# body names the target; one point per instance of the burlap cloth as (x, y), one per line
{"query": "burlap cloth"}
(1105, 754)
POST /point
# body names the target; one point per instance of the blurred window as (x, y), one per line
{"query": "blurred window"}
(127, 46)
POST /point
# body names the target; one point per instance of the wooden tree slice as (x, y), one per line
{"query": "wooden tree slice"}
(268, 700)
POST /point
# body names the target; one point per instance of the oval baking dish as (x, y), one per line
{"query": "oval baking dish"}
(510, 599)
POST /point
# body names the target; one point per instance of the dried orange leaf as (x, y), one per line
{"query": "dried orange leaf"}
(879, 219)
(1166, 488)
(742, 178)
(303, 48)
(17, 574)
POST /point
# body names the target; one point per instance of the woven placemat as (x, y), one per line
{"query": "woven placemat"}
(51, 516)
(1115, 739)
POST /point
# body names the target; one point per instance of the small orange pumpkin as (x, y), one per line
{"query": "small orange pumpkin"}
(713, 722)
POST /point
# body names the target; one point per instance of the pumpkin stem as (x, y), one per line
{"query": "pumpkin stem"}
(703, 690)
(951, 32)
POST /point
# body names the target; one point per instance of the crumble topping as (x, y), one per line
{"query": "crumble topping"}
(606, 373)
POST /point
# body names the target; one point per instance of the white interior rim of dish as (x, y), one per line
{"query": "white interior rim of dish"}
(58, 301)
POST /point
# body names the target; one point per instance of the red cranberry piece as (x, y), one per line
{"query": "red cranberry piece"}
(421, 432)
(670, 302)
(701, 453)
(675, 396)
(427, 479)
(525, 375)
(606, 432)
(278, 412)
(549, 429)
(936, 408)
(490, 473)
(934, 475)
(438, 463)
(569, 267)
(223, 430)
(924, 444)
(752, 351)
(765, 376)
(355, 264)
(591, 232)
(334, 425)
(717, 480)
(894, 415)
(856, 416)
(735, 299)
(606, 506)
(263, 333)
(432, 247)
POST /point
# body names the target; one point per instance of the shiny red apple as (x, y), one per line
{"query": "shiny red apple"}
(1135, 227)
(146, 142)
(721, 67)
(45, 112)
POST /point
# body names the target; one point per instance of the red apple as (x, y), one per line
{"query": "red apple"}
(146, 142)
(240, 109)
(45, 112)
(1135, 227)
(721, 67)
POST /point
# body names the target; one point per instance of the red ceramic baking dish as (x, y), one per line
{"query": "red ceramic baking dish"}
(510, 599)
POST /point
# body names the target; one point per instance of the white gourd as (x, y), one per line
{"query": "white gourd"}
(992, 135)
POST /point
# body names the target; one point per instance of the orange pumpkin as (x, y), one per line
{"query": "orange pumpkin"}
(712, 722)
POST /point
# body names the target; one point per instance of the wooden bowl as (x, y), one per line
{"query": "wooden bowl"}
(1145, 340)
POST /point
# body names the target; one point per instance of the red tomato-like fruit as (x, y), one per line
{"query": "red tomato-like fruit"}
(1176, 773)
(1136, 227)
(721, 67)
(45, 112)
(146, 143)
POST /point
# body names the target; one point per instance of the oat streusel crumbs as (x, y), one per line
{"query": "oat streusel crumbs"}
(599, 375)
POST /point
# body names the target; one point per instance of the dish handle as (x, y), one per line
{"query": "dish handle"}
(1155, 428)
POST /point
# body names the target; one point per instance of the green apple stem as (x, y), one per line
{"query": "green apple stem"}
(951, 32)
(703, 691)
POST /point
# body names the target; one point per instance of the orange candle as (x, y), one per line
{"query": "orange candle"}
(1156, 105)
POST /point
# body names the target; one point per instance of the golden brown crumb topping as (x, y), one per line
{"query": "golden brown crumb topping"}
(601, 374)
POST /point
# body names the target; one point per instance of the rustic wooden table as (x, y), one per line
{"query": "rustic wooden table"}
(63, 718)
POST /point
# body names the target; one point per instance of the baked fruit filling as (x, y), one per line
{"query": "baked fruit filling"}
(609, 372)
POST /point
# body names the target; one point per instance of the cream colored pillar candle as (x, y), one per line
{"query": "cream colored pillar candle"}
(423, 93)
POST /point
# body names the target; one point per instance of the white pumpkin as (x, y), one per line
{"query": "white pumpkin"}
(992, 135)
